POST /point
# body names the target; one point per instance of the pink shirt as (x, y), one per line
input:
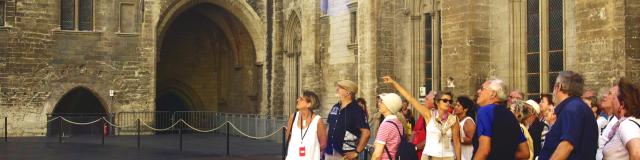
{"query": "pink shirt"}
(389, 136)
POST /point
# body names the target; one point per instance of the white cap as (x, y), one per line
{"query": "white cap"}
(534, 105)
(392, 101)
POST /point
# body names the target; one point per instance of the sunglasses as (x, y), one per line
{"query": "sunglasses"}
(447, 101)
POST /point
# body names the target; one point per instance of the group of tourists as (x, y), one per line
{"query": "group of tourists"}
(570, 123)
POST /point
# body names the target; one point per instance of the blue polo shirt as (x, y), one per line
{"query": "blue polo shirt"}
(349, 119)
(575, 124)
(498, 123)
(486, 117)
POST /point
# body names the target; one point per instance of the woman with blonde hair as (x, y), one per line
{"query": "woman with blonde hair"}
(307, 134)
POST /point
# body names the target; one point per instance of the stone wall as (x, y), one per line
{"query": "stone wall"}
(465, 44)
(605, 41)
(40, 63)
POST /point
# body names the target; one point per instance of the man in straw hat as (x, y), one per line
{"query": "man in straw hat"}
(348, 128)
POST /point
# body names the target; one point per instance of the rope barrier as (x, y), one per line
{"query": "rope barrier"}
(49, 121)
(170, 127)
(252, 137)
(164, 129)
(205, 131)
(78, 123)
(117, 126)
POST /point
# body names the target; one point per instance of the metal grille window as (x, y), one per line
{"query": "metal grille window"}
(533, 48)
(428, 46)
(86, 15)
(543, 64)
(2, 12)
(555, 41)
(67, 14)
(76, 15)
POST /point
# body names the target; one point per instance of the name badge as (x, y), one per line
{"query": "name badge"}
(334, 111)
(302, 151)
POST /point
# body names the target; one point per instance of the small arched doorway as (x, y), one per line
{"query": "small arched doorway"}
(78, 105)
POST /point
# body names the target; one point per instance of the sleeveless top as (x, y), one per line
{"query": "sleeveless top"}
(466, 150)
(439, 138)
(310, 142)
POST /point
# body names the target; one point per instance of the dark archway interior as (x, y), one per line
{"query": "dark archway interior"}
(207, 54)
(78, 105)
(171, 102)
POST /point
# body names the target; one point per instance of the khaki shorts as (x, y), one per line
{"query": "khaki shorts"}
(426, 157)
(334, 156)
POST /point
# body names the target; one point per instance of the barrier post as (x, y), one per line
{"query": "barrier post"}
(180, 132)
(60, 131)
(138, 134)
(104, 131)
(5, 129)
(228, 138)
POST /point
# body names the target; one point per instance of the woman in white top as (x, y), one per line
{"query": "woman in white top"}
(464, 109)
(308, 136)
(624, 139)
(440, 141)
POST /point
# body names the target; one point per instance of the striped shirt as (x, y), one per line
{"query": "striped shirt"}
(389, 136)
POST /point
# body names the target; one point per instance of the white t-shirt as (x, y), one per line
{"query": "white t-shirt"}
(603, 138)
(616, 148)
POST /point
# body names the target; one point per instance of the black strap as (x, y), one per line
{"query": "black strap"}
(387, 150)
(635, 123)
(401, 134)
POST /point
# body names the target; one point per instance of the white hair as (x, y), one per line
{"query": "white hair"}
(498, 86)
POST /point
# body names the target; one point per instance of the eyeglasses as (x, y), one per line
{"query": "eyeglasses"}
(515, 97)
(447, 101)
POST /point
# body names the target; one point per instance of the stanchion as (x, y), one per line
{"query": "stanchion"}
(5, 129)
(228, 139)
(180, 132)
(284, 143)
(138, 134)
(104, 131)
(60, 131)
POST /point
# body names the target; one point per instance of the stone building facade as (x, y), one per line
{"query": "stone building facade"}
(256, 56)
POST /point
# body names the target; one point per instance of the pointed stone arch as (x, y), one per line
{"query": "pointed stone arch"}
(291, 61)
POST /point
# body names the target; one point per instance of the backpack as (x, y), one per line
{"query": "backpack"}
(406, 150)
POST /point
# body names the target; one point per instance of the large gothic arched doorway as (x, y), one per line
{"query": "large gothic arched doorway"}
(78, 105)
(207, 54)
